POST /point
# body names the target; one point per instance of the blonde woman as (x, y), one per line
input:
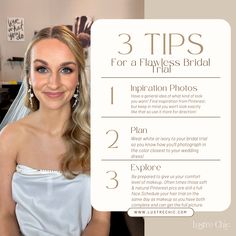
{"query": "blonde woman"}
(44, 157)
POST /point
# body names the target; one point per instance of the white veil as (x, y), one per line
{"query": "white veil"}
(17, 109)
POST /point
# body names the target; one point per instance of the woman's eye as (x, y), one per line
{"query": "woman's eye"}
(66, 70)
(41, 69)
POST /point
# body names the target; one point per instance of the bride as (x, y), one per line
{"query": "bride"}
(44, 157)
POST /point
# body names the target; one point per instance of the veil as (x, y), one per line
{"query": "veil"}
(17, 109)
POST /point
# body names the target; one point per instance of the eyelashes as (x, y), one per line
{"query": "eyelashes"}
(66, 70)
(41, 69)
(45, 70)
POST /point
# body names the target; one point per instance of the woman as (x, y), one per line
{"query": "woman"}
(44, 157)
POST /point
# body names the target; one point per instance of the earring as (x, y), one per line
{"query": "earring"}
(31, 95)
(76, 96)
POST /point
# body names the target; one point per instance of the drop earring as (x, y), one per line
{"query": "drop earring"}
(31, 95)
(76, 96)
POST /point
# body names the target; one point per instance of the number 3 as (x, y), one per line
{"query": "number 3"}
(127, 43)
(113, 179)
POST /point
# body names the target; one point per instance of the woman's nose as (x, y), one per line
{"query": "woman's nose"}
(54, 80)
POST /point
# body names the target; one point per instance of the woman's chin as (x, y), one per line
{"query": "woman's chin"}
(55, 106)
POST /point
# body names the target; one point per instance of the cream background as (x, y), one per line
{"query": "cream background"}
(197, 9)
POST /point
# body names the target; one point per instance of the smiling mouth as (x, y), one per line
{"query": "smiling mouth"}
(53, 94)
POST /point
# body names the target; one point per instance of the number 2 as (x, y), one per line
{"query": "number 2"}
(116, 138)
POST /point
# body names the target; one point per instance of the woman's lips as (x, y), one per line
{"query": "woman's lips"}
(53, 94)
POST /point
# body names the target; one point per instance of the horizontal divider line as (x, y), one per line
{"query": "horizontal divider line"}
(160, 77)
(128, 117)
(159, 159)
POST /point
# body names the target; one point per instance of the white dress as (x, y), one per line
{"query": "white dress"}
(48, 204)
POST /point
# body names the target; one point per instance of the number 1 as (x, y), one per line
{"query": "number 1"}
(112, 95)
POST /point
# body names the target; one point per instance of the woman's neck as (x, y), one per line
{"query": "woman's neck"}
(53, 121)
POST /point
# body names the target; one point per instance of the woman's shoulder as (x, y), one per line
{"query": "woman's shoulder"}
(10, 141)
(15, 130)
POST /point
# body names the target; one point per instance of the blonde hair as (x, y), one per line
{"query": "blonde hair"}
(77, 133)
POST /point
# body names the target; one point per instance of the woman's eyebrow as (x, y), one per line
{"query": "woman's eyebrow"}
(62, 64)
(41, 61)
(68, 63)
